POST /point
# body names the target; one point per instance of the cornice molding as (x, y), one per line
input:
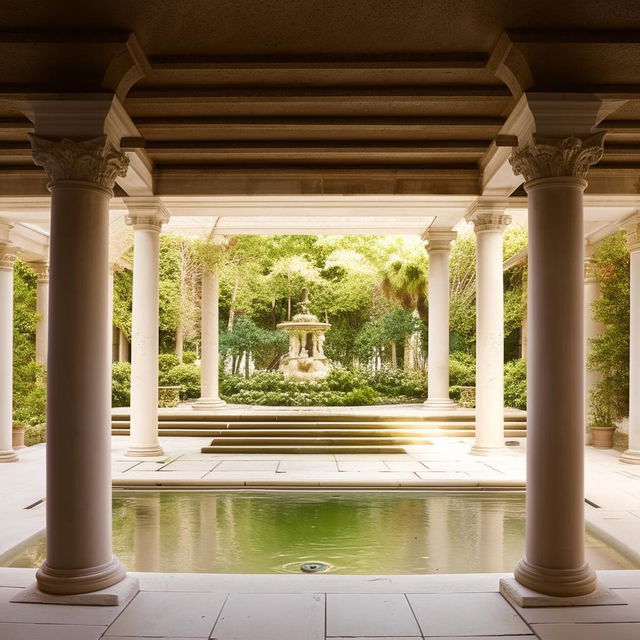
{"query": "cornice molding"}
(557, 157)
(96, 161)
(146, 213)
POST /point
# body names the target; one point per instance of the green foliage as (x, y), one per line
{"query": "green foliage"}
(462, 369)
(29, 380)
(122, 300)
(35, 434)
(167, 361)
(189, 357)
(30, 407)
(399, 382)
(463, 396)
(186, 376)
(341, 388)
(247, 337)
(609, 352)
(342, 379)
(515, 384)
(120, 384)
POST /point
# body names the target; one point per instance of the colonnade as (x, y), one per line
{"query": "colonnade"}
(82, 174)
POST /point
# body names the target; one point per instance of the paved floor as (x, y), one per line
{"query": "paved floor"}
(239, 607)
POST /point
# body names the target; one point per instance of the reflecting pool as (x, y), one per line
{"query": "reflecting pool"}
(354, 532)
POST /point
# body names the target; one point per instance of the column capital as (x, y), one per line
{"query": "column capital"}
(439, 239)
(7, 256)
(490, 221)
(41, 267)
(632, 227)
(146, 213)
(96, 161)
(548, 157)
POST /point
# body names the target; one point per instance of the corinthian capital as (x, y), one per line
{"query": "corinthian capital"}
(94, 160)
(7, 257)
(633, 236)
(557, 157)
(490, 221)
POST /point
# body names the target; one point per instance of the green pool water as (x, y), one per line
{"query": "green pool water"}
(352, 532)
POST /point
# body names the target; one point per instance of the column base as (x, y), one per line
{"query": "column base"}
(68, 582)
(208, 404)
(117, 595)
(481, 450)
(444, 404)
(144, 451)
(564, 583)
(631, 456)
(522, 596)
(8, 455)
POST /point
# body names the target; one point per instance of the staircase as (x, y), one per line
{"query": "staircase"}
(318, 431)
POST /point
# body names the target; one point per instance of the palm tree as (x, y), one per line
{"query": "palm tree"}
(404, 281)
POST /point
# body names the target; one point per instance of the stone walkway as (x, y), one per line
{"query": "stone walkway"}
(319, 607)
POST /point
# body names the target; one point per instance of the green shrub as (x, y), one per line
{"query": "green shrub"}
(35, 434)
(463, 396)
(32, 408)
(167, 361)
(360, 397)
(120, 384)
(189, 357)
(462, 369)
(399, 382)
(185, 375)
(342, 379)
(515, 384)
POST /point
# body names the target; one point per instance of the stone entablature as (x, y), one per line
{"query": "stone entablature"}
(633, 236)
(557, 157)
(96, 160)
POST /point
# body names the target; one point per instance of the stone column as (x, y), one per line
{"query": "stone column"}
(489, 227)
(632, 454)
(42, 307)
(146, 216)
(123, 347)
(439, 247)
(79, 557)
(209, 398)
(555, 171)
(7, 258)
(591, 330)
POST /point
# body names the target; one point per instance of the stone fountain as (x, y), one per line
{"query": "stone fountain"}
(305, 361)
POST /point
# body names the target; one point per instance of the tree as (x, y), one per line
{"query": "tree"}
(609, 352)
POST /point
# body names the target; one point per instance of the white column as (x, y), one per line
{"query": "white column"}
(42, 307)
(438, 248)
(555, 171)
(123, 347)
(7, 258)
(209, 398)
(146, 216)
(489, 227)
(79, 556)
(632, 454)
(591, 330)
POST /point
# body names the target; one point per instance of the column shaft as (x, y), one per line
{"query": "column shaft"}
(438, 296)
(632, 454)
(145, 336)
(7, 454)
(489, 334)
(209, 398)
(554, 561)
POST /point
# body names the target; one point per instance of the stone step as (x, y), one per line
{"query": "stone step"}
(278, 441)
(313, 416)
(306, 448)
(303, 426)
